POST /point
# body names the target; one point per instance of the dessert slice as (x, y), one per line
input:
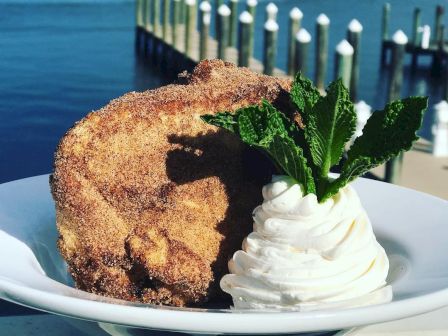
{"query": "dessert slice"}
(313, 245)
(150, 201)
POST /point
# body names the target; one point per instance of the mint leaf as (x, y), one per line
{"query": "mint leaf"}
(258, 124)
(304, 95)
(386, 134)
(330, 122)
(268, 129)
(223, 119)
(291, 159)
(329, 127)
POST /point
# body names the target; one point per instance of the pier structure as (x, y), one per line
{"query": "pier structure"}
(183, 46)
(424, 41)
(181, 36)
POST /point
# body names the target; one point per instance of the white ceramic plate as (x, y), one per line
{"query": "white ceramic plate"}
(411, 226)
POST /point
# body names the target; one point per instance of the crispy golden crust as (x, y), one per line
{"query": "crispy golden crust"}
(150, 201)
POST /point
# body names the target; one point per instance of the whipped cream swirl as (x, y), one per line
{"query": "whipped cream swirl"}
(303, 255)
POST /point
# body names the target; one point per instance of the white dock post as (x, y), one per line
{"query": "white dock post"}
(440, 130)
(426, 36)
(271, 11)
(343, 62)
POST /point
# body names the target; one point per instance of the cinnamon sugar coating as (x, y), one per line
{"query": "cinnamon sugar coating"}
(150, 201)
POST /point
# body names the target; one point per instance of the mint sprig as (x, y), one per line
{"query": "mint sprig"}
(268, 129)
(330, 122)
(308, 155)
(387, 133)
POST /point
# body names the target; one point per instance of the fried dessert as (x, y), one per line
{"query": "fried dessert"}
(151, 202)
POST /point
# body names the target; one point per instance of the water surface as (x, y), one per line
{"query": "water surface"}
(60, 60)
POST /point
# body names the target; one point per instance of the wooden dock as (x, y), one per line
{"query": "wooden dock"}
(181, 50)
(421, 42)
(173, 58)
(438, 52)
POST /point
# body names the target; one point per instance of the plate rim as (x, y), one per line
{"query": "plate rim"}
(222, 320)
(187, 320)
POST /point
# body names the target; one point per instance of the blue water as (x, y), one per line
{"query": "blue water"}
(62, 59)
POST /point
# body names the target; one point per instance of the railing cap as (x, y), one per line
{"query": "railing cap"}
(344, 48)
(252, 3)
(323, 20)
(271, 25)
(303, 36)
(224, 10)
(246, 17)
(355, 26)
(271, 8)
(205, 6)
(295, 14)
(400, 37)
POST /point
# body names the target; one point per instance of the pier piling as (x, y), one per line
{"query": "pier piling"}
(396, 78)
(147, 15)
(223, 31)
(416, 23)
(175, 30)
(438, 23)
(271, 11)
(440, 54)
(343, 62)
(138, 24)
(426, 36)
(155, 17)
(445, 77)
(393, 167)
(437, 58)
(190, 25)
(233, 23)
(166, 19)
(139, 13)
(440, 130)
(204, 27)
(295, 20)
(270, 46)
(354, 32)
(218, 4)
(182, 10)
(244, 39)
(303, 40)
(385, 31)
(416, 40)
(251, 7)
(322, 27)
